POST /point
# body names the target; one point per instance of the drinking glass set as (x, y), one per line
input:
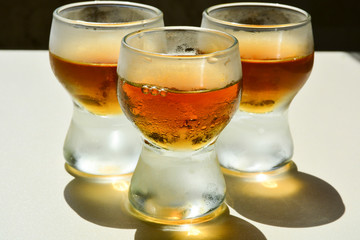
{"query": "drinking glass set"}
(169, 105)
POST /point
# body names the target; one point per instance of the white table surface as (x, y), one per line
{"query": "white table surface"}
(40, 200)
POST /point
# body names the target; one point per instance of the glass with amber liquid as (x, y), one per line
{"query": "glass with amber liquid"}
(277, 54)
(84, 48)
(184, 94)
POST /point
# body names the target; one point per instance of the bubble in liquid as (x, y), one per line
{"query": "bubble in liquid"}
(145, 89)
(212, 60)
(163, 92)
(135, 111)
(193, 117)
(154, 91)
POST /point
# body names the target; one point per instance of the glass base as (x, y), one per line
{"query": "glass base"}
(255, 142)
(101, 146)
(95, 178)
(288, 167)
(201, 219)
(177, 187)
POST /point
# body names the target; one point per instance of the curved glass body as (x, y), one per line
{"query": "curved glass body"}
(277, 53)
(181, 98)
(84, 47)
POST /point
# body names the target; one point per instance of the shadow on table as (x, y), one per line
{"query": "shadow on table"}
(106, 204)
(287, 199)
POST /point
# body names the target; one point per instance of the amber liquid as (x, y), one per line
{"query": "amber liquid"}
(178, 120)
(268, 84)
(92, 85)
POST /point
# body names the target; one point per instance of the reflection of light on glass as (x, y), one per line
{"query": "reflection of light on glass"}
(116, 141)
(194, 211)
(121, 185)
(265, 181)
(193, 232)
(187, 229)
(273, 187)
(270, 184)
(261, 177)
(176, 228)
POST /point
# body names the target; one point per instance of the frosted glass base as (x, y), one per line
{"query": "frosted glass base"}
(255, 142)
(176, 187)
(103, 146)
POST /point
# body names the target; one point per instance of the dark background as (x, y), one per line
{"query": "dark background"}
(25, 24)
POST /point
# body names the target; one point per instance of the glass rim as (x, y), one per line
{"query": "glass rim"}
(56, 14)
(180, 28)
(206, 13)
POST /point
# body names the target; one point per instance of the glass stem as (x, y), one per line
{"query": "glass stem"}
(176, 187)
(256, 142)
(101, 145)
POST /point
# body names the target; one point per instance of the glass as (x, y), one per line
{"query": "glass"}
(277, 54)
(84, 48)
(180, 86)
